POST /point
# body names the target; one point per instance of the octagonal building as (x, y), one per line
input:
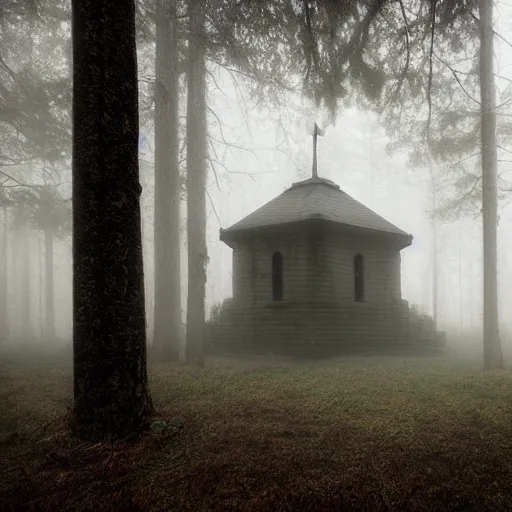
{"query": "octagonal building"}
(317, 273)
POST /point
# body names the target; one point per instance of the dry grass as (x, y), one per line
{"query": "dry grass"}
(412, 435)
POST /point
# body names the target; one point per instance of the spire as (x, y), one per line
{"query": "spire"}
(316, 131)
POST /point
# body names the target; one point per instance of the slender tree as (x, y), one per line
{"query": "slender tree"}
(493, 357)
(434, 233)
(111, 394)
(28, 332)
(41, 258)
(44, 209)
(196, 185)
(4, 283)
(51, 216)
(456, 74)
(461, 281)
(49, 292)
(167, 302)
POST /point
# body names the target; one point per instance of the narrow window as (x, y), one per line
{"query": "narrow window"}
(277, 276)
(359, 278)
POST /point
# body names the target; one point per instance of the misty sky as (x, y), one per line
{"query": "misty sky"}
(249, 178)
(399, 193)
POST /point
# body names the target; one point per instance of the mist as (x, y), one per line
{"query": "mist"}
(255, 255)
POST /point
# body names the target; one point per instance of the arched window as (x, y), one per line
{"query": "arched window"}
(359, 278)
(277, 276)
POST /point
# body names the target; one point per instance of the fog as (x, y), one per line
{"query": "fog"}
(256, 153)
(317, 185)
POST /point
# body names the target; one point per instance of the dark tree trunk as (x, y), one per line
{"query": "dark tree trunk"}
(4, 283)
(49, 294)
(493, 357)
(167, 303)
(196, 186)
(111, 394)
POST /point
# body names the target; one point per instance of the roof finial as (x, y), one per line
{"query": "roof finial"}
(316, 131)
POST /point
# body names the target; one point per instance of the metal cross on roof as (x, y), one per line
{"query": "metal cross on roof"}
(316, 131)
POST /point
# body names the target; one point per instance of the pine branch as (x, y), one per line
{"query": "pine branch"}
(213, 207)
(454, 73)
(497, 34)
(408, 50)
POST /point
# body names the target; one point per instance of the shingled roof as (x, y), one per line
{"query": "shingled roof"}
(315, 198)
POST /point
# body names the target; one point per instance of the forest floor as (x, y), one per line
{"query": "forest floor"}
(382, 435)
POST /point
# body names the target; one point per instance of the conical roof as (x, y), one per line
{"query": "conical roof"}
(315, 198)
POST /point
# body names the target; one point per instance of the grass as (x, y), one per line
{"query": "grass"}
(397, 435)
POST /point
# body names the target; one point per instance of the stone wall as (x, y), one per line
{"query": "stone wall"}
(318, 314)
(318, 267)
(323, 330)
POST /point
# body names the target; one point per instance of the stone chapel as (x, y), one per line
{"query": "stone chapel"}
(316, 273)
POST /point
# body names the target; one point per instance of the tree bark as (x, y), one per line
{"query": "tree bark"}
(111, 394)
(493, 357)
(196, 186)
(49, 293)
(167, 290)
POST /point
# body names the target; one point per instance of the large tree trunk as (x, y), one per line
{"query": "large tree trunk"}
(196, 186)
(4, 283)
(111, 394)
(493, 357)
(167, 303)
(49, 294)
